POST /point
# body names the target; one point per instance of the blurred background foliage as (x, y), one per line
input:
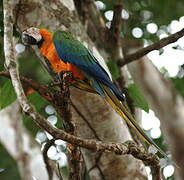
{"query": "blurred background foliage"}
(136, 16)
(8, 166)
(143, 12)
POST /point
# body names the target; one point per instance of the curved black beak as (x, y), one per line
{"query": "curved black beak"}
(28, 40)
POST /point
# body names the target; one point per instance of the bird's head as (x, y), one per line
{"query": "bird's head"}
(32, 36)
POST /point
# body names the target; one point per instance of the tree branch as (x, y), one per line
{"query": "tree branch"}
(40, 88)
(75, 157)
(98, 146)
(46, 159)
(156, 46)
(115, 32)
(11, 65)
(117, 20)
(37, 87)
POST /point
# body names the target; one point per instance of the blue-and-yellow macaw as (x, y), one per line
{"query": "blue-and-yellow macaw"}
(65, 53)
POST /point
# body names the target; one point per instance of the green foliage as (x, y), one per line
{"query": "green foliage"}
(8, 166)
(28, 123)
(113, 69)
(178, 83)
(7, 95)
(64, 171)
(162, 144)
(38, 101)
(137, 96)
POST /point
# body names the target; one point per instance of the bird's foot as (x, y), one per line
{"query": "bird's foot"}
(60, 77)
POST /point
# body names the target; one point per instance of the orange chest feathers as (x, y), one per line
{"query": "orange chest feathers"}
(48, 50)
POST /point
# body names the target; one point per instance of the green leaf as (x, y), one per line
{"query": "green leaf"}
(7, 95)
(38, 101)
(113, 69)
(137, 96)
(178, 83)
(30, 125)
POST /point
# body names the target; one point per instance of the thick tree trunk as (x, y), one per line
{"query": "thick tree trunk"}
(106, 123)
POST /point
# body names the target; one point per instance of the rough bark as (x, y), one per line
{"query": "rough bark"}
(109, 127)
(62, 15)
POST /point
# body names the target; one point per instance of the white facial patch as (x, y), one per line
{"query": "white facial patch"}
(34, 32)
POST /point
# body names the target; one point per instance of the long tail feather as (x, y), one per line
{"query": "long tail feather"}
(124, 113)
(83, 86)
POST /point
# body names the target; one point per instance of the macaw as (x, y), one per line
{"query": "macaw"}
(65, 53)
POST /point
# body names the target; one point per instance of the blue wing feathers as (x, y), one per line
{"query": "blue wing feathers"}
(84, 60)
(98, 87)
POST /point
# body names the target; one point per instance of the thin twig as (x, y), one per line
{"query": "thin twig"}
(59, 172)
(156, 46)
(46, 159)
(97, 166)
(98, 146)
(40, 88)
(101, 172)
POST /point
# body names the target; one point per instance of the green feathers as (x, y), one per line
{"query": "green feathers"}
(69, 44)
